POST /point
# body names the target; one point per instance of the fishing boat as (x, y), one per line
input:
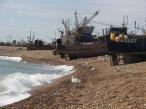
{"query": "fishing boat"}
(79, 42)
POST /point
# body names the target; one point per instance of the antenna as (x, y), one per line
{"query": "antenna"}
(30, 35)
(135, 24)
(145, 23)
(33, 37)
(123, 24)
(125, 21)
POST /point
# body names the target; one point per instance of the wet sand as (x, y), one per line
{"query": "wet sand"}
(102, 86)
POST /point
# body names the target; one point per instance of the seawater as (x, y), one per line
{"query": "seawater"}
(18, 77)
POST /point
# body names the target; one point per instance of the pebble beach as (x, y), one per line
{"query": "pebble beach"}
(102, 86)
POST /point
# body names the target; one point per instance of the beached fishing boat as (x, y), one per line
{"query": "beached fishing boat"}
(131, 47)
(79, 42)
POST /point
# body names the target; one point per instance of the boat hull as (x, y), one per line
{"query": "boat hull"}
(84, 50)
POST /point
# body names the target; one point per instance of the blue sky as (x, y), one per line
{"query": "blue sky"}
(44, 17)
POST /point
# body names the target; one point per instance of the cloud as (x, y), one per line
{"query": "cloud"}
(44, 16)
(131, 7)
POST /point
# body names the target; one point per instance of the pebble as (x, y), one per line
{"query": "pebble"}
(93, 68)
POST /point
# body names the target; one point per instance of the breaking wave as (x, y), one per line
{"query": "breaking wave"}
(17, 59)
(16, 86)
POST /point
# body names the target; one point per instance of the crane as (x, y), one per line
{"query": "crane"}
(92, 17)
(84, 22)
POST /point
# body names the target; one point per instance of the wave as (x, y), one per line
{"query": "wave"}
(17, 59)
(62, 68)
(15, 87)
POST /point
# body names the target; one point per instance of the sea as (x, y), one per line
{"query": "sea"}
(18, 78)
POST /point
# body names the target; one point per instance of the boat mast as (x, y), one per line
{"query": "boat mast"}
(76, 19)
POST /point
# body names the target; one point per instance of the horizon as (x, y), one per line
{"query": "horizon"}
(44, 17)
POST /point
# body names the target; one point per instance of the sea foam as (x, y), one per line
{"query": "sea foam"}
(16, 86)
(17, 59)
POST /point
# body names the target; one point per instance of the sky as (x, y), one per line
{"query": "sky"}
(44, 17)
